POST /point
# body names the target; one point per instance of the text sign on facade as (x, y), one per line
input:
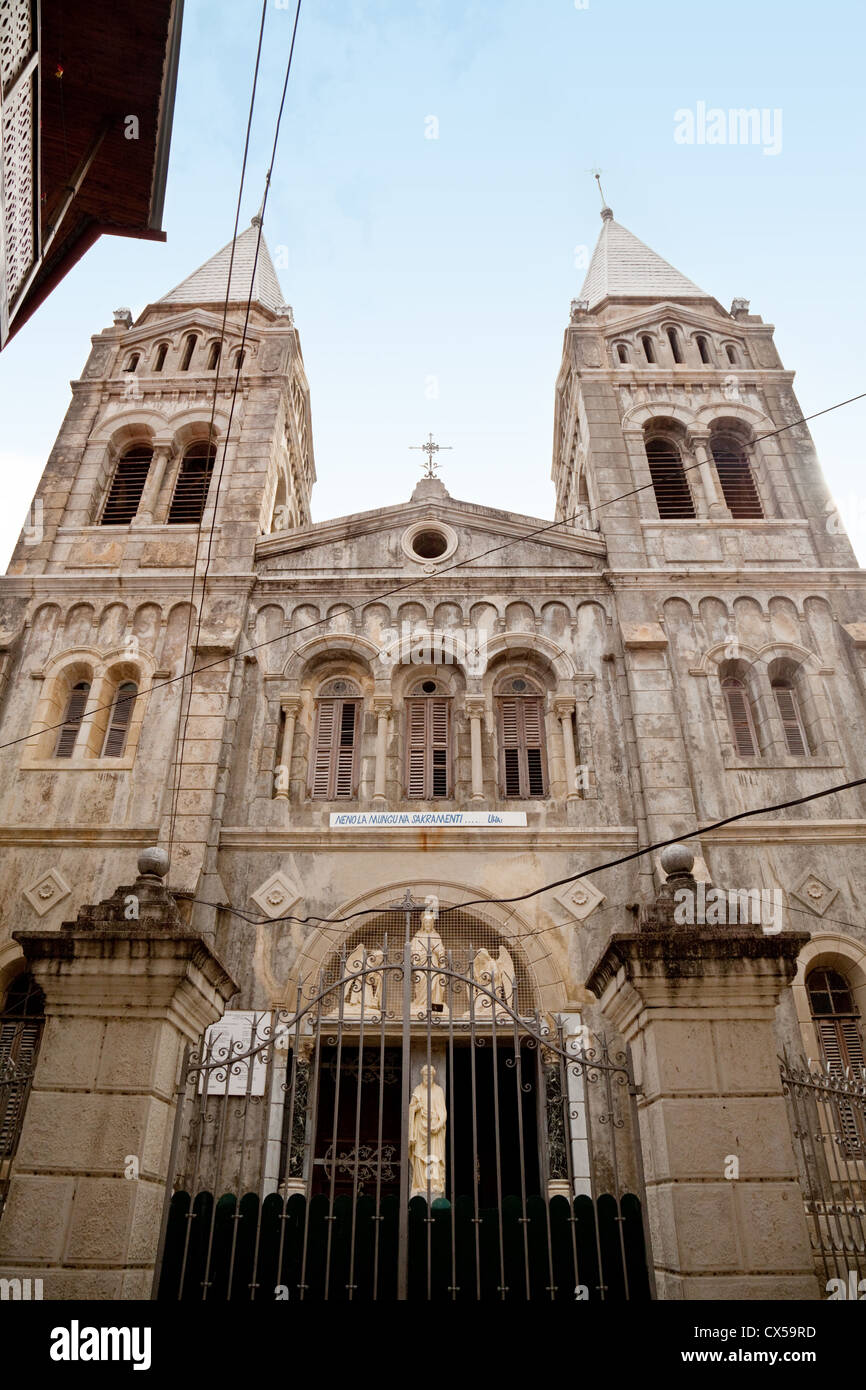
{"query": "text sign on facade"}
(236, 1033)
(345, 820)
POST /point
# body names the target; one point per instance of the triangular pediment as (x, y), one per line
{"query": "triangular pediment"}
(382, 539)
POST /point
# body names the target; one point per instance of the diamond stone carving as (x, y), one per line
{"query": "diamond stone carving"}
(47, 892)
(580, 899)
(278, 895)
(814, 893)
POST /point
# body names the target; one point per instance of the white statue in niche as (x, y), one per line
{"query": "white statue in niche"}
(363, 993)
(427, 1120)
(495, 976)
(428, 988)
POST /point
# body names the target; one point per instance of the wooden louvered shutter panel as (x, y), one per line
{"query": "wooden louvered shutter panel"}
(323, 750)
(18, 1045)
(533, 734)
(509, 733)
(786, 701)
(121, 714)
(741, 721)
(75, 707)
(344, 754)
(416, 758)
(843, 1049)
(439, 752)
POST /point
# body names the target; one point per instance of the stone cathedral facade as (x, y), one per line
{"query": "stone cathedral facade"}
(440, 697)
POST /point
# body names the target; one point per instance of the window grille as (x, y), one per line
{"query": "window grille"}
(737, 481)
(191, 488)
(20, 1031)
(127, 485)
(837, 1023)
(670, 484)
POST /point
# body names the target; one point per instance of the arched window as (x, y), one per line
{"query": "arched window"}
(673, 339)
(703, 349)
(649, 351)
(239, 359)
(127, 485)
(159, 360)
(740, 717)
(522, 761)
(133, 362)
(76, 703)
(792, 720)
(191, 487)
(213, 356)
(428, 742)
(622, 353)
(670, 484)
(21, 1023)
(731, 352)
(735, 476)
(188, 349)
(334, 761)
(114, 743)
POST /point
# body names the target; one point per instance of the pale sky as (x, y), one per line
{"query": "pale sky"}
(431, 278)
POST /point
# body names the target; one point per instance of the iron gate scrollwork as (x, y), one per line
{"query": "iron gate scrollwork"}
(295, 1170)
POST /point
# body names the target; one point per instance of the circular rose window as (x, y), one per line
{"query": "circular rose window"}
(429, 542)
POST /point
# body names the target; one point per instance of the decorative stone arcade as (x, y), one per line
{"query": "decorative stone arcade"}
(696, 1004)
(126, 986)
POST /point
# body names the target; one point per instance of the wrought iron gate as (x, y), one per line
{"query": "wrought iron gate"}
(20, 1033)
(316, 1157)
(827, 1107)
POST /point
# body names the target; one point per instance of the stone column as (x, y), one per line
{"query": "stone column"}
(290, 706)
(475, 710)
(383, 714)
(696, 1004)
(124, 993)
(150, 493)
(716, 506)
(564, 710)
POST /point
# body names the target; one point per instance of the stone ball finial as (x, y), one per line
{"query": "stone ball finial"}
(606, 214)
(153, 861)
(677, 859)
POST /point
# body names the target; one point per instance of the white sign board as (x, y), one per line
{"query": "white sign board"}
(459, 820)
(237, 1031)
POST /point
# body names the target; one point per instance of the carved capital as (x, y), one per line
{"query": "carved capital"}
(475, 706)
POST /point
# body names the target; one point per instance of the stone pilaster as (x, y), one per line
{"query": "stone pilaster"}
(697, 1004)
(124, 993)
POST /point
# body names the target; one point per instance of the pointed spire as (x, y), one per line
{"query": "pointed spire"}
(624, 268)
(207, 285)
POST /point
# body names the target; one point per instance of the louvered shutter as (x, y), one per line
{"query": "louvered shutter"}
(843, 1050)
(18, 1045)
(428, 749)
(795, 734)
(345, 751)
(521, 724)
(740, 716)
(75, 707)
(320, 763)
(118, 727)
(533, 733)
(437, 719)
(332, 767)
(509, 733)
(416, 735)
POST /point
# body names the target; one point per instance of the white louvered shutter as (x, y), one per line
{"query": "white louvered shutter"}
(740, 716)
(75, 707)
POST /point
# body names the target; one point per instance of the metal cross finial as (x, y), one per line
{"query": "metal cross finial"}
(430, 464)
(596, 174)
